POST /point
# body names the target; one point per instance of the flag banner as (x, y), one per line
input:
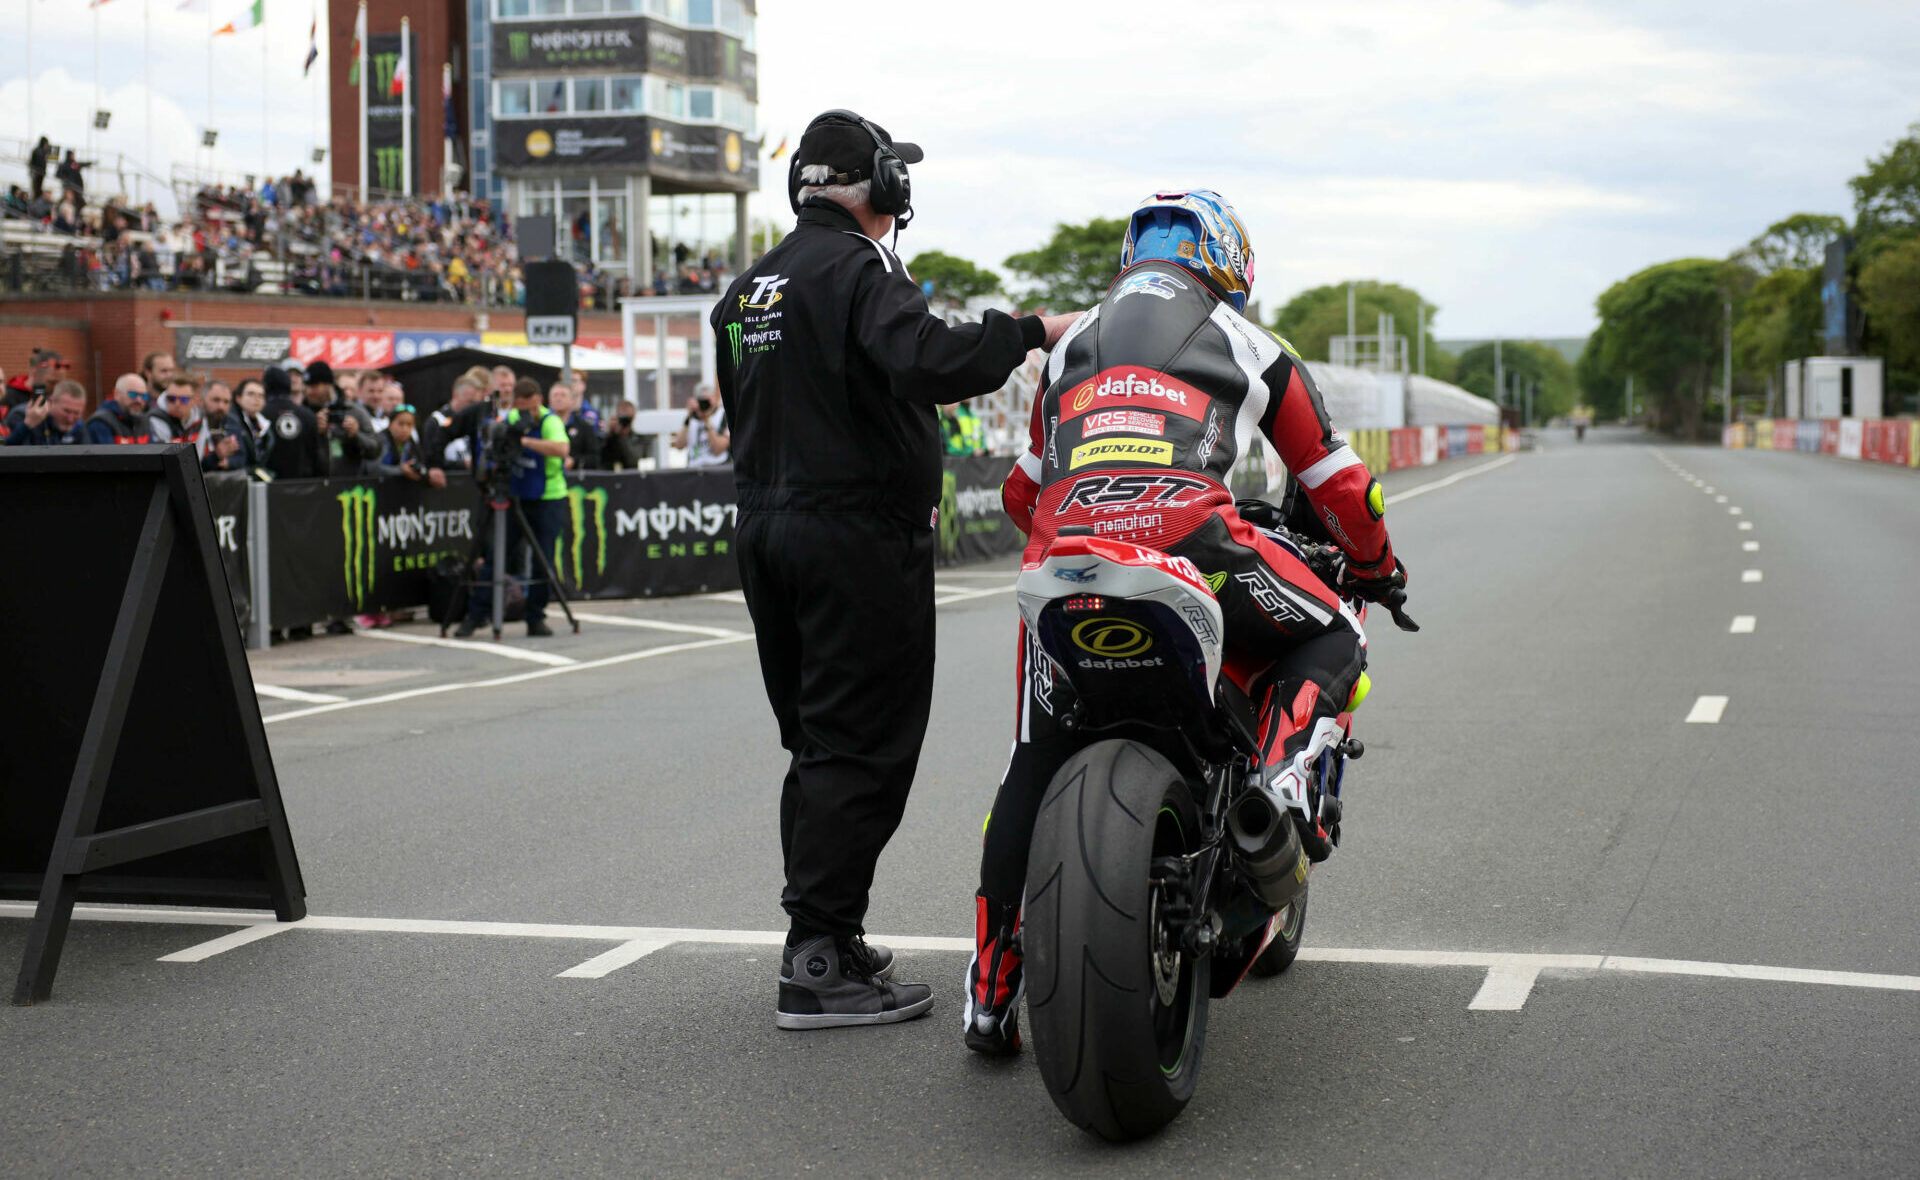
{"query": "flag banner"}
(779, 151)
(359, 46)
(253, 17)
(313, 47)
(385, 117)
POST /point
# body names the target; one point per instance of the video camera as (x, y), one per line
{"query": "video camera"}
(500, 453)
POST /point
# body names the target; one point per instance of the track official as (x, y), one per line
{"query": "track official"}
(830, 369)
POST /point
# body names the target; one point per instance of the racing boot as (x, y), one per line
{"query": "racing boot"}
(995, 979)
(1293, 739)
(827, 983)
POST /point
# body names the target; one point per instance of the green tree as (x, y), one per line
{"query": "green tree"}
(1313, 317)
(1886, 196)
(1890, 293)
(1075, 266)
(1796, 242)
(1663, 325)
(1528, 361)
(1887, 243)
(1779, 321)
(954, 279)
(1602, 386)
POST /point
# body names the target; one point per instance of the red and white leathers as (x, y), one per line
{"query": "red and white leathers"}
(1147, 404)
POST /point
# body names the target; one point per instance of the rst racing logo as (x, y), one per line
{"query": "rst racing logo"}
(1160, 488)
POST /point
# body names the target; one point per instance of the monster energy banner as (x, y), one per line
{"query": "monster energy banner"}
(227, 494)
(637, 536)
(600, 43)
(973, 526)
(338, 548)
(384, 114)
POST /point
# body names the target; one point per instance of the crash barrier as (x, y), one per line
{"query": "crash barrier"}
(1871, 440)
(1381, 450)
(305, 551)
(137, 770)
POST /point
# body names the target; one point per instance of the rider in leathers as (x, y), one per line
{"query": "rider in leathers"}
(1148, 403)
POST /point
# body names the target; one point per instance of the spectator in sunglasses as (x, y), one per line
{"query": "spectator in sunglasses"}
(177, 417)
(123, 417)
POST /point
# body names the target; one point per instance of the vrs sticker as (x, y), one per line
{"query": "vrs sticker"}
(1122, 450)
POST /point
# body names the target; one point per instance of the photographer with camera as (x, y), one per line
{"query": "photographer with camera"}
(528, 448)
(226, 441)
(352, 441)
(623, 449)
(51, 419)
(401, 453)
(704, 434)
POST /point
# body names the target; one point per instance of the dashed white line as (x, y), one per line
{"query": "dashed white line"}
(607, 962)
(1707, 711)
(1734, 511)
(1746, 526)
(1709, 491)
(278, 693)
(1719, 499)
(1750, 546)
(1505, 989)
(659, 625)
(1742, 625)
(1749, 575)
(1437, 484)
(503, 650)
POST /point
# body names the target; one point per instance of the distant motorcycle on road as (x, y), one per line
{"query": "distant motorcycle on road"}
(1162, 871)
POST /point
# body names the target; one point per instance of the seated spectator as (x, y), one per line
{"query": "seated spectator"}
(50, 420)
(400, 451)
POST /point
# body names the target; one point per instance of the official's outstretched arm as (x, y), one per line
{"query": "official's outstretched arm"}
(933, 361)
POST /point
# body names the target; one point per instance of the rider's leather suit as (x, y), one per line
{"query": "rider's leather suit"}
(1149, 401)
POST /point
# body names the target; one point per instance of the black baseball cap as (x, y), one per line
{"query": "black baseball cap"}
(837, 140)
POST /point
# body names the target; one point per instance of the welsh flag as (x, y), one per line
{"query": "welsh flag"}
(252, 18)
(359, 49)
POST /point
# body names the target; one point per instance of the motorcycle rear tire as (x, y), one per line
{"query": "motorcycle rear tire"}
(1280, 953)
(1116, 1058)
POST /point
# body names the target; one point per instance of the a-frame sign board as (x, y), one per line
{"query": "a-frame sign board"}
(135, 767)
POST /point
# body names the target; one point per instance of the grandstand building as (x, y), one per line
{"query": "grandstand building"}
(597, 112)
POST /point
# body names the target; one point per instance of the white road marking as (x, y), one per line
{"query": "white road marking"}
(1749, 575)
(1746, 526)
(1709, 491)
(1734, 511)
(1750, 546)
(964, 595)
(1707, 710)
(1505, 970)
(504, 650)
(1742, 625)
(722, 596)
(1505, 990)
(607, 962)
(659, 625)
(501, 681)
(1437, 484)
(1719, 499)
(277, 693)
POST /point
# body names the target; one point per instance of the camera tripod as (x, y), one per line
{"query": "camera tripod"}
(499, 504)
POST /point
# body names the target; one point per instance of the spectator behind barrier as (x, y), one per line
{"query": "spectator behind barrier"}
(299, 449)
(436, 432)
(400, 451)
(583, 441)
(704, 433)
(52, 419)
(250, 401)
(46, 368)
(352, 442)
(624, 449)
(177, 416)
(226, 442)
(123, 417)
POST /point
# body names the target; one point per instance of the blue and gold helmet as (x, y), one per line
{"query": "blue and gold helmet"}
(1196, 229)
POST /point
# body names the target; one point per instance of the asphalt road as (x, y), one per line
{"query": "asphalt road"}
(1532, 787)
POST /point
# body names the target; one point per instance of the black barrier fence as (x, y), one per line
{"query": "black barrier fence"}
(338, 548)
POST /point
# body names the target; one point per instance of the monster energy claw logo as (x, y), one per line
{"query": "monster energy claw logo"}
(357, 537)
(577, 500)
(733, 338)
(386, 168)
(518, 45)
(949, 513)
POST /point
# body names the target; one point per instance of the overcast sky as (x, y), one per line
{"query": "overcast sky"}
(1508, 160)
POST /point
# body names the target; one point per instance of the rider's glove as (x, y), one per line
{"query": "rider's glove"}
(1375, 583)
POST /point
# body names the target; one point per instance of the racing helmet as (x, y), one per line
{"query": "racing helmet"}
(1196, 229)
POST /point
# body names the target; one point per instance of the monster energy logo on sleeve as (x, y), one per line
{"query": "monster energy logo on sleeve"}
(577, 500)
(733, 338)
(357, 536)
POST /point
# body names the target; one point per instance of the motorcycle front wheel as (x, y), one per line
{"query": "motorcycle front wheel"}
(1118, 1009)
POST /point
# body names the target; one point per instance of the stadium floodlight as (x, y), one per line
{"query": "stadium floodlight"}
(209, 137)
(101, 119)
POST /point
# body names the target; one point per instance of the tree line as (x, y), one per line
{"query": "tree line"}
(1664, 327)
(1075, 265)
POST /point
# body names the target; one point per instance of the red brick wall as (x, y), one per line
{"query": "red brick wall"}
(20, 334)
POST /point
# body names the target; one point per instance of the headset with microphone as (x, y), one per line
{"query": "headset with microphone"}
(892, 189)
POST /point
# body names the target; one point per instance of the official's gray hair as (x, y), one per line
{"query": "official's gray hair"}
(850, 196)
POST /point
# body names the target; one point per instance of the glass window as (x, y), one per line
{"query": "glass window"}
(511, 8)
(586, 7)
(480, 161)
(514, 98)
(733, 17)
(540, 201)
(700, 102)
(736, 111)
(623, 5)
(624, 94)
(550, 95)
(610, 234)
(549, 7)
(589, 94)
(700, 13)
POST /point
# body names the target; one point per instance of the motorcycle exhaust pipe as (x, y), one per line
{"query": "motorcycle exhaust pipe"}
(1267, 845)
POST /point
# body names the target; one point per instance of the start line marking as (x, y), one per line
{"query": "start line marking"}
(1509, 980)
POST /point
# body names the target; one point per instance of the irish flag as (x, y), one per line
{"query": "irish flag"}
(254, 16)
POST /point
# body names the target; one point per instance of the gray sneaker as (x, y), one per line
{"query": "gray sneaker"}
(823, 985)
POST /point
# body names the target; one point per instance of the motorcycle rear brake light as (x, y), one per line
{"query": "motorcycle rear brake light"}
(1085, 602)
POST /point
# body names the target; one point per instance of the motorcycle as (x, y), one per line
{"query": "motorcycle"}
(1161, 870)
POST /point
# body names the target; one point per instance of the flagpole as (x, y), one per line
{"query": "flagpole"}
(264, 141)
(209, 126)
(96, 79)
(30, 126)
(406, 109)
(362, 70)
(146, 72)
